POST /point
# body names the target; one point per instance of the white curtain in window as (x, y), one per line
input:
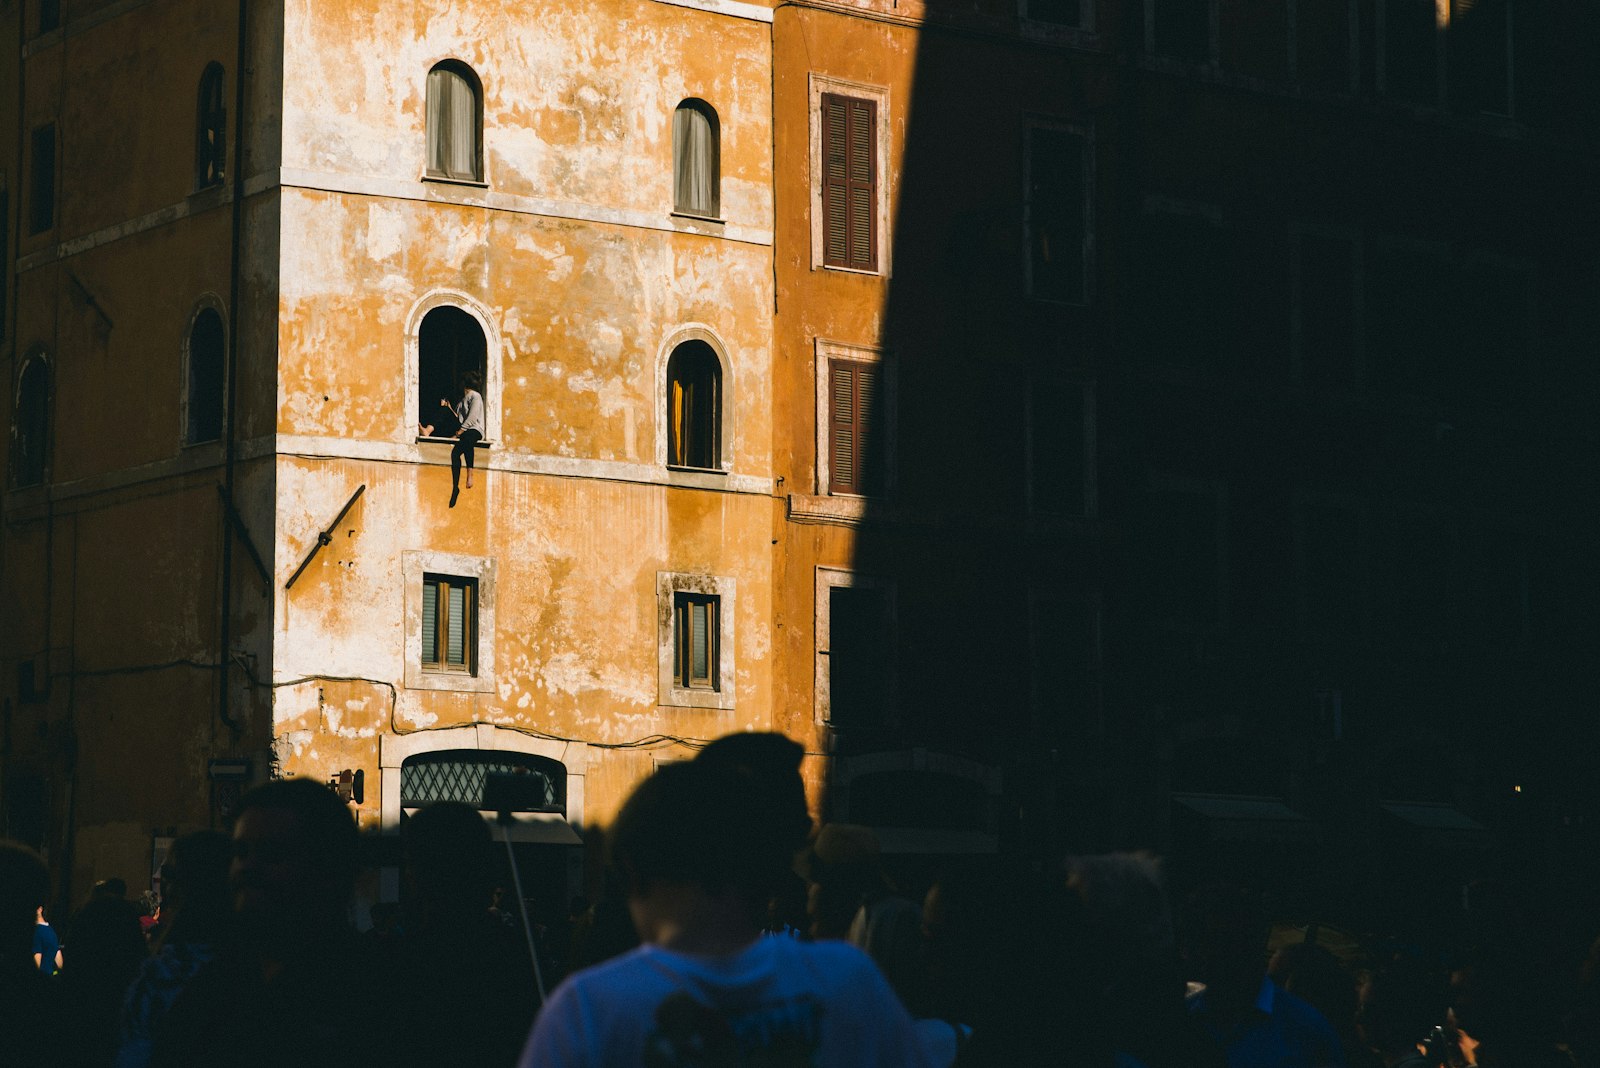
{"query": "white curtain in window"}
(452, 125)
(694, 162)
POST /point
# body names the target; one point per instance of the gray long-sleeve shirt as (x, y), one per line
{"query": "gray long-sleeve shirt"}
(470, 412)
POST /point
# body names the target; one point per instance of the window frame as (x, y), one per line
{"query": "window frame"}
(826, 352)
(1086, 286)
(37, 180)
(827, 579)
(406, 424)
(14, 475)
(210, 302)
(210, 129)
(480, 175)
(704, 108)
(670, 690)
(823, 85)
(718, 464)
(417, 567)
(438, 659)
(684, 676)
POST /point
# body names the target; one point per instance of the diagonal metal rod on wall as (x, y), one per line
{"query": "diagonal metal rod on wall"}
(324, 537)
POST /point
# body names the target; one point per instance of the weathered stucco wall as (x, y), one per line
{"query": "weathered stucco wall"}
(583, 280)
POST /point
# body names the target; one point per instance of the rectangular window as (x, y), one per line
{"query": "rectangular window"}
(1411, 50)
(1180, 29)
(42, 180)
(1055, 12)
(1055, 213)
(696, 640)
(1060, 448)
(49, 15)
(849, 182)
(1480, 71)
(859, 655)
(1325, 306)
(1331, 572)
(449, 623)
(855, 394)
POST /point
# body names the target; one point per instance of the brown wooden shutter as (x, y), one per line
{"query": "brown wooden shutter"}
(849, 182)
(868, 449)
(842, 427)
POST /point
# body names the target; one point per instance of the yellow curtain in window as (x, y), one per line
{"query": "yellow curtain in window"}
(677, 439)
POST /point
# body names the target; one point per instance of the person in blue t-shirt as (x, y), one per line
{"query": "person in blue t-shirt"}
(46, 946)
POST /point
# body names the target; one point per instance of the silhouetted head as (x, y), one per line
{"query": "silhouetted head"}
(194, 886)
(294, 860)
(105, 943)
(110, 888)
(1223, 941)
(1310, 972)
(704, 825)
(448, 860)
(773, 760)
(1400, 1005)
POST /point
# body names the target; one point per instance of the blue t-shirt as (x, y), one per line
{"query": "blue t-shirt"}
(46, 945)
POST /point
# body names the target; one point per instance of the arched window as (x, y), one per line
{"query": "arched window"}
(450, 343)
(455, 123)
(210, 124)
(206, 368)
(694, 407)
(30, 426)
(696, 160)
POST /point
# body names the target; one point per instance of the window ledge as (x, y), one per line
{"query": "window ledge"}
(713, 478)
(435, 440)
(837, 509)
(874, 273)
(679, 697)
(445, 179)
(689, 216)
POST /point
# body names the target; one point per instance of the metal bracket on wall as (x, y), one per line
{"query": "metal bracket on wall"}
(325, 537)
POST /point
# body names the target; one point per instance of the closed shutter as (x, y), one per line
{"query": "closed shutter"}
(430, 622)
(456, 650)
(849, 182)
(853, 464)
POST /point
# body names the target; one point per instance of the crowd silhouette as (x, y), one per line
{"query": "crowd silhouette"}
(730, 932)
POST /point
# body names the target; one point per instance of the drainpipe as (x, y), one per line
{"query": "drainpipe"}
(230, 452)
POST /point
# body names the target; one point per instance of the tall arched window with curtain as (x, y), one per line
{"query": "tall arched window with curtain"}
(455, 123)
(30, 423)
(696, 160)
(210, 129)
(694, 407)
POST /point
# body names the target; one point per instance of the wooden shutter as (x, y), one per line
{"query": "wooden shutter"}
(430, 622)
(849, 182)
(853, 389)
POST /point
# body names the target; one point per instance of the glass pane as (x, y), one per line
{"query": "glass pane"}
(700, 667)
(430, 623)
(456, 653)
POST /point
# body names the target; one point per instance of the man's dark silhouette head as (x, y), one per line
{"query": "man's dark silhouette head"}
(448, 860)
(294, 861)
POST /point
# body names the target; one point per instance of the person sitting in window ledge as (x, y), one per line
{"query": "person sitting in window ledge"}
(469, 412)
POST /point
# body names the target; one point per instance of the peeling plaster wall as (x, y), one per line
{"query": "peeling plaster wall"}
(582, 278)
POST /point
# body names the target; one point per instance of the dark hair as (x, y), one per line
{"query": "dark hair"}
(703, 824)
(330, 832)
(448, 852)
(194, 882)
(471, 380)
(774, 761)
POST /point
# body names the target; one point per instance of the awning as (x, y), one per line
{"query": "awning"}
(1238, 818)
(538, 828)
(1437, 823)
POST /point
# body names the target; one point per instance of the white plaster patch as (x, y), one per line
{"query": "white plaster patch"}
(386, 232)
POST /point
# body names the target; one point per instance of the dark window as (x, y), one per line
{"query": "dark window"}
(1480, 56)
(210, 128)
(696, 641)
(694, 407)
(1058, 448)
(30, 428)
(1322, 44)
(1326, 304)
(860, 656)
(696, 160)
(855, 448)
(5, 255)
(1059, 12)
(1180, 291)
(1182, 29)
(1332, 580)
(849, 182)
(1064, 639)
(455, 123)
(49, 15)
(911, 798)
(42, 181)
(207, 347)
(449, 623)
(1180, 559)
(449, 344)
(1056, 214)
(1410, 50)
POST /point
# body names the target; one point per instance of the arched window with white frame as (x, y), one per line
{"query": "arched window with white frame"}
(30, 423)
